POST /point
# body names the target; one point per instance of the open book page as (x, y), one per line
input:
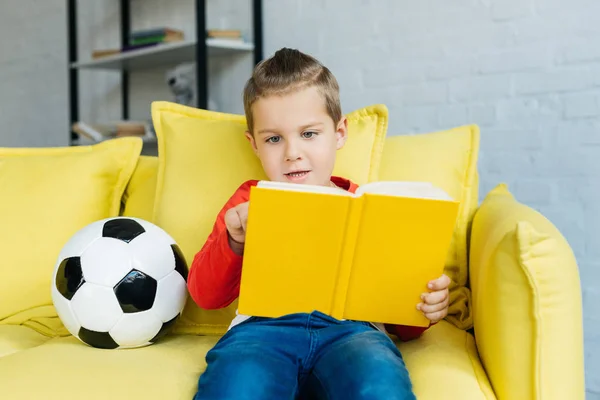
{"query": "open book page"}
(419, 190)
(295, 187)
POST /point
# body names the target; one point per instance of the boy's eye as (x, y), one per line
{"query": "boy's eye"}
(309, 134)
(273, 139)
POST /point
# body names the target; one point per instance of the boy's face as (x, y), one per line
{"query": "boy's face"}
(295, 138)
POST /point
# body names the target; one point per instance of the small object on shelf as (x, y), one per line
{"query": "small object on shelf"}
(182, 82)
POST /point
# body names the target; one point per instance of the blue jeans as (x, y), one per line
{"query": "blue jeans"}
(304, 356)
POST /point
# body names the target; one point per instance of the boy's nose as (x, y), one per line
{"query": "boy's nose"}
(292, 153)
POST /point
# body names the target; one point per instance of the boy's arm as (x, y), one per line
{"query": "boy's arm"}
(215, 273)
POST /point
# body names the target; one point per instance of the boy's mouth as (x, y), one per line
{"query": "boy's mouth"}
(297, 175)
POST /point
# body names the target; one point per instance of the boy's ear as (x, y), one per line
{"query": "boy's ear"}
(341, 132)
(252, 141)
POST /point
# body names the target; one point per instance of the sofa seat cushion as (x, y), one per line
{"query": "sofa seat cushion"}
(443, 364)
(64, 368)
(14, 338)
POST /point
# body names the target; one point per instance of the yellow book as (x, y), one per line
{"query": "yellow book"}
(365, 256)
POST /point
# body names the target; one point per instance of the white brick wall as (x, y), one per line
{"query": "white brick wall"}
(528, 72)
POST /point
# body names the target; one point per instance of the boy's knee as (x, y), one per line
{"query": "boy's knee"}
(368, 366)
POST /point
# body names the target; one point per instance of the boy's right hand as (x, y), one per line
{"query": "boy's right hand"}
(235, 221)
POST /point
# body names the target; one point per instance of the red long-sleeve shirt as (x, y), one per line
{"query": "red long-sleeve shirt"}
(215, 273)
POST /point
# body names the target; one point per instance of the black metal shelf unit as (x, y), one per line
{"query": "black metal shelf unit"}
(125, 20)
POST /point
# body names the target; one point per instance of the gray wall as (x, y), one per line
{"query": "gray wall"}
(33, 77)
(528, 72)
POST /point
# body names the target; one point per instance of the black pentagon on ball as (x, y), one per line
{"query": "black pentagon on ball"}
(166, 327)
(124, 229)
(101, 340)
(69, 277)
(136, 292)
(180, 264)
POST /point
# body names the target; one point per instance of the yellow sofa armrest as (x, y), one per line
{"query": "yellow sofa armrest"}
(526, 302)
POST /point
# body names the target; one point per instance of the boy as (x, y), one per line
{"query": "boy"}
(295, 126)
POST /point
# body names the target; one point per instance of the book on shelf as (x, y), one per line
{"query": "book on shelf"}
(142, 39)
(366, 256)
(151, 36)
(98, 132)
(230, 34)
(154, 32)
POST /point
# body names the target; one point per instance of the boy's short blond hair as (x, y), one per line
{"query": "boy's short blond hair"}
(289, 70)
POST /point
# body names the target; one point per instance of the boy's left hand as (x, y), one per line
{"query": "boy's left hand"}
(434, 305)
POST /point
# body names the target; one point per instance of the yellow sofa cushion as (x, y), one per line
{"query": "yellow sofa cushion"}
(138, 199)
(443, 364)
(447, 159)
(205, 157)
(526, 300)
(47, 195)
(64, 368)
(170, 369)
(14, 338)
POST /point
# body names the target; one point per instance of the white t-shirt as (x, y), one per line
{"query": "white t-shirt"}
(239, 318)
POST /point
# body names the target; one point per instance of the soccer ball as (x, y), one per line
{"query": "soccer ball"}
(119, 283)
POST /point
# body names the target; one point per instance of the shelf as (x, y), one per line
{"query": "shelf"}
(163, 55)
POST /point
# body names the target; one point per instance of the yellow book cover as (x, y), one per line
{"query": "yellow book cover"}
(363, 256)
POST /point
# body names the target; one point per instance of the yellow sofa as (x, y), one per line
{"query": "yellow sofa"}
(514, 330)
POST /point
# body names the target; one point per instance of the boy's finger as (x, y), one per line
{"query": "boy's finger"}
(437, 316)
(435, 297)
(440, 283)
(432, 308)
(244, 223)
(232, 219)
(243, 215)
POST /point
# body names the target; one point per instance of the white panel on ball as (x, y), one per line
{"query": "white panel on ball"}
(64, 311)
(152, 254)
(106, 261)
(81, 240)
(171, 294)
(96, 307)
(135, 330)
(156, 231)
